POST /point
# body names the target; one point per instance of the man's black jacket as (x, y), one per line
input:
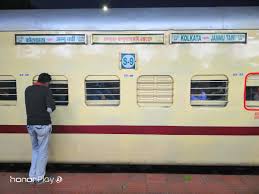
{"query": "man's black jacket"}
(37, 99)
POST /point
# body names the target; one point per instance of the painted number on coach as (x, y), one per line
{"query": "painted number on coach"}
(128, 61)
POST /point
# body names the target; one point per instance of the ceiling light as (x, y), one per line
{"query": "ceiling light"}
(105, 8)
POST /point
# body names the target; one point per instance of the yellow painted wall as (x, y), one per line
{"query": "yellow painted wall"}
(137, 149)
(181, 61)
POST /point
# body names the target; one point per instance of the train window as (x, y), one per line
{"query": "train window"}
(8, 92)
(59, 88)
(102, 90)
(209, 90)
(252, 90)
(155, 90)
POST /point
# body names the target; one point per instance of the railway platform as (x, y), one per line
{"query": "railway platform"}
(103, 182)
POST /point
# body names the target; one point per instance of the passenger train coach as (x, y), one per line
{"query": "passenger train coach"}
(135, 86)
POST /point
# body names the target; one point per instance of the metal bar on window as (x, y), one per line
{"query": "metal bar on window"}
(212, 81)
(7, 88)
(87, 82)
(209, 95)
(8, 94)
(102, 94)
(58, 88)
(212, 88)
(89, 88)
(60, 94)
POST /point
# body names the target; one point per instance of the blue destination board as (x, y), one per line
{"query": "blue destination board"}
(208, 38)
(50, 39)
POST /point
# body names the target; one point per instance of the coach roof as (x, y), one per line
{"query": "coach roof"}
(131, 19)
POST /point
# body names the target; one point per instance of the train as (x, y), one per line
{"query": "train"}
(159, 86)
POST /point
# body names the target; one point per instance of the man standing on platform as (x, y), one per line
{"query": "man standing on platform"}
(39, 104)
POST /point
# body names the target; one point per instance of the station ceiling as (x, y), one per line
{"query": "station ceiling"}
(67, 4)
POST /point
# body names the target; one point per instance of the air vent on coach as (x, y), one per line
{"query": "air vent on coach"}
(155, 90)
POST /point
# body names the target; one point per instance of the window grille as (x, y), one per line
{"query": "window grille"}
(59, 88)
(8, 91)
(209, 90)
(102, 91)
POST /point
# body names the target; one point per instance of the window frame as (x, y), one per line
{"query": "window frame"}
(209, 103)
(102, 103)
(245, 85)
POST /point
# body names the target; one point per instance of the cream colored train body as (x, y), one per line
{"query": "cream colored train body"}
(129, 131)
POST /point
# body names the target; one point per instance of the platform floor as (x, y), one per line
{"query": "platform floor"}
(137, 183)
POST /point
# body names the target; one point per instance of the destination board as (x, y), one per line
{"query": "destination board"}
(128, 39)
(50, 39)
(208, 38)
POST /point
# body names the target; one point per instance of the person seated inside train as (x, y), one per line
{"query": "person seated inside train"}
(101, 93)
(201, 96)
(256, 96)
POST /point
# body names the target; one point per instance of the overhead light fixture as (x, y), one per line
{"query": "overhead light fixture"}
(105, 8)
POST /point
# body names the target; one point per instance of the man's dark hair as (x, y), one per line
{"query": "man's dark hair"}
(44, 78)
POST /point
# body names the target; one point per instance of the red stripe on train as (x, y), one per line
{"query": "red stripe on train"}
(154, 130)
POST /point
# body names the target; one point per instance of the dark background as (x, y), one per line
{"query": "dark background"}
(61, 4)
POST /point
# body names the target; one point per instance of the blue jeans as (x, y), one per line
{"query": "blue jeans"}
(40, 141)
